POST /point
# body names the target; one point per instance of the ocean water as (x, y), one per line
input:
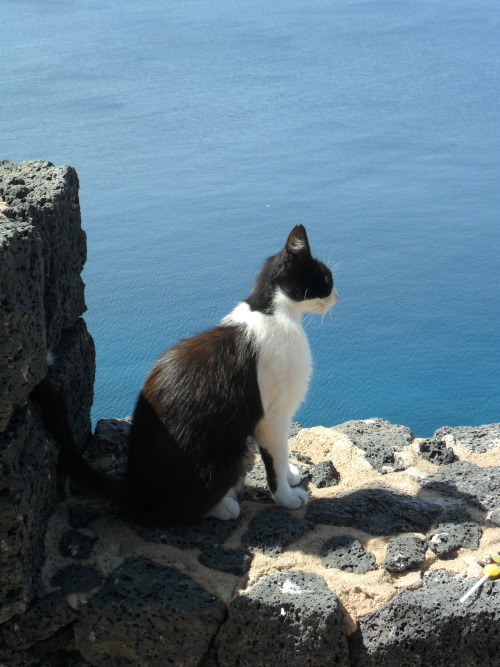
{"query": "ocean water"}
(203, 130)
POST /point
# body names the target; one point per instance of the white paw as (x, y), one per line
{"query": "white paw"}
(225, 510)
(293, 475)
(291, 498)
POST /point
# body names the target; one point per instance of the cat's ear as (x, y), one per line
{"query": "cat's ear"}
(297, 244)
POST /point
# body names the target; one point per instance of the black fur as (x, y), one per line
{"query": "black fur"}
(270, 472)
(189, 434)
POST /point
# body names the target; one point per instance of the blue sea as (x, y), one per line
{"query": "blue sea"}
(203, 130)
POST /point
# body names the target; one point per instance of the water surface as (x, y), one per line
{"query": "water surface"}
(203, 131)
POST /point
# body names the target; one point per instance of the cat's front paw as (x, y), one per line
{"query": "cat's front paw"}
(291, 498)
(293, 475)
(227, 509)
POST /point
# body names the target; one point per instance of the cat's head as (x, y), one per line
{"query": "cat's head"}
(294, 277)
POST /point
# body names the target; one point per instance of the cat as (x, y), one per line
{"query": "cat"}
(207, 395)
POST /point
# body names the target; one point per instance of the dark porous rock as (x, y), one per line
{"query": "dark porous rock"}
(474, 438)
(76, 578)
(9, 658)
(436, 451)
(74, 659)
(291, 618)
(27, 495)
(82, 515)
(454, 511)
(448, 537)
(148, 614)
(22, 332)
(376, 510)
(379, 439)
(232, 561)
(294, 429)
(324, 474)
(303, 458)
(74, 544)
(445, 541)
(37, 657)
(110, 439)
(44, 618)
(430, 626)
(74, 364)
(494, 517)
(256, 487)
(55, 651)
(346, 553)
(404, 552)
(56, 647)
(272, 530)
(468, 482)
(46, 197)
(202, 534)
(42, 252)
(107, 450)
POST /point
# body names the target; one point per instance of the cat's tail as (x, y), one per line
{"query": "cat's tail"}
(53, 402)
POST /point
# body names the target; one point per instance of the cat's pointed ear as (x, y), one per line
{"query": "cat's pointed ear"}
(298, 243)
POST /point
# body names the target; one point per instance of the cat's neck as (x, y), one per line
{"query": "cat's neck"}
(284, 306)
(285, 313)
(275, 303)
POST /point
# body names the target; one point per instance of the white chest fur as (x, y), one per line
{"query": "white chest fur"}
(283, 356)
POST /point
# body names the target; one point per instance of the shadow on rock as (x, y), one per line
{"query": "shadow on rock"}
(466, 482)
(375, 510)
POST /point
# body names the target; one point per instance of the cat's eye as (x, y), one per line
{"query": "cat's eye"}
(328, 280)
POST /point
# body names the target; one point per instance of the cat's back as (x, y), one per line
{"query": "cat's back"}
(206, 380)
(201, 359)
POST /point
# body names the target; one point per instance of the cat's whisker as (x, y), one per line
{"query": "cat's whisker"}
(310, 317)
(324, 315)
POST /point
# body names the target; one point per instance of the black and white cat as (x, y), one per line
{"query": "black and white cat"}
(208, 394)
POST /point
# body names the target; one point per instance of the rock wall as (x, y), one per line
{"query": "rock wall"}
(370, 572)
(42, 253)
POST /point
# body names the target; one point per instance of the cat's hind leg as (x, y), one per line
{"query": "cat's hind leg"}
(228, 508)
(293, 476)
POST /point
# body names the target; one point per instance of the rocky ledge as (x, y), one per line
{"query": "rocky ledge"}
(370, 572)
